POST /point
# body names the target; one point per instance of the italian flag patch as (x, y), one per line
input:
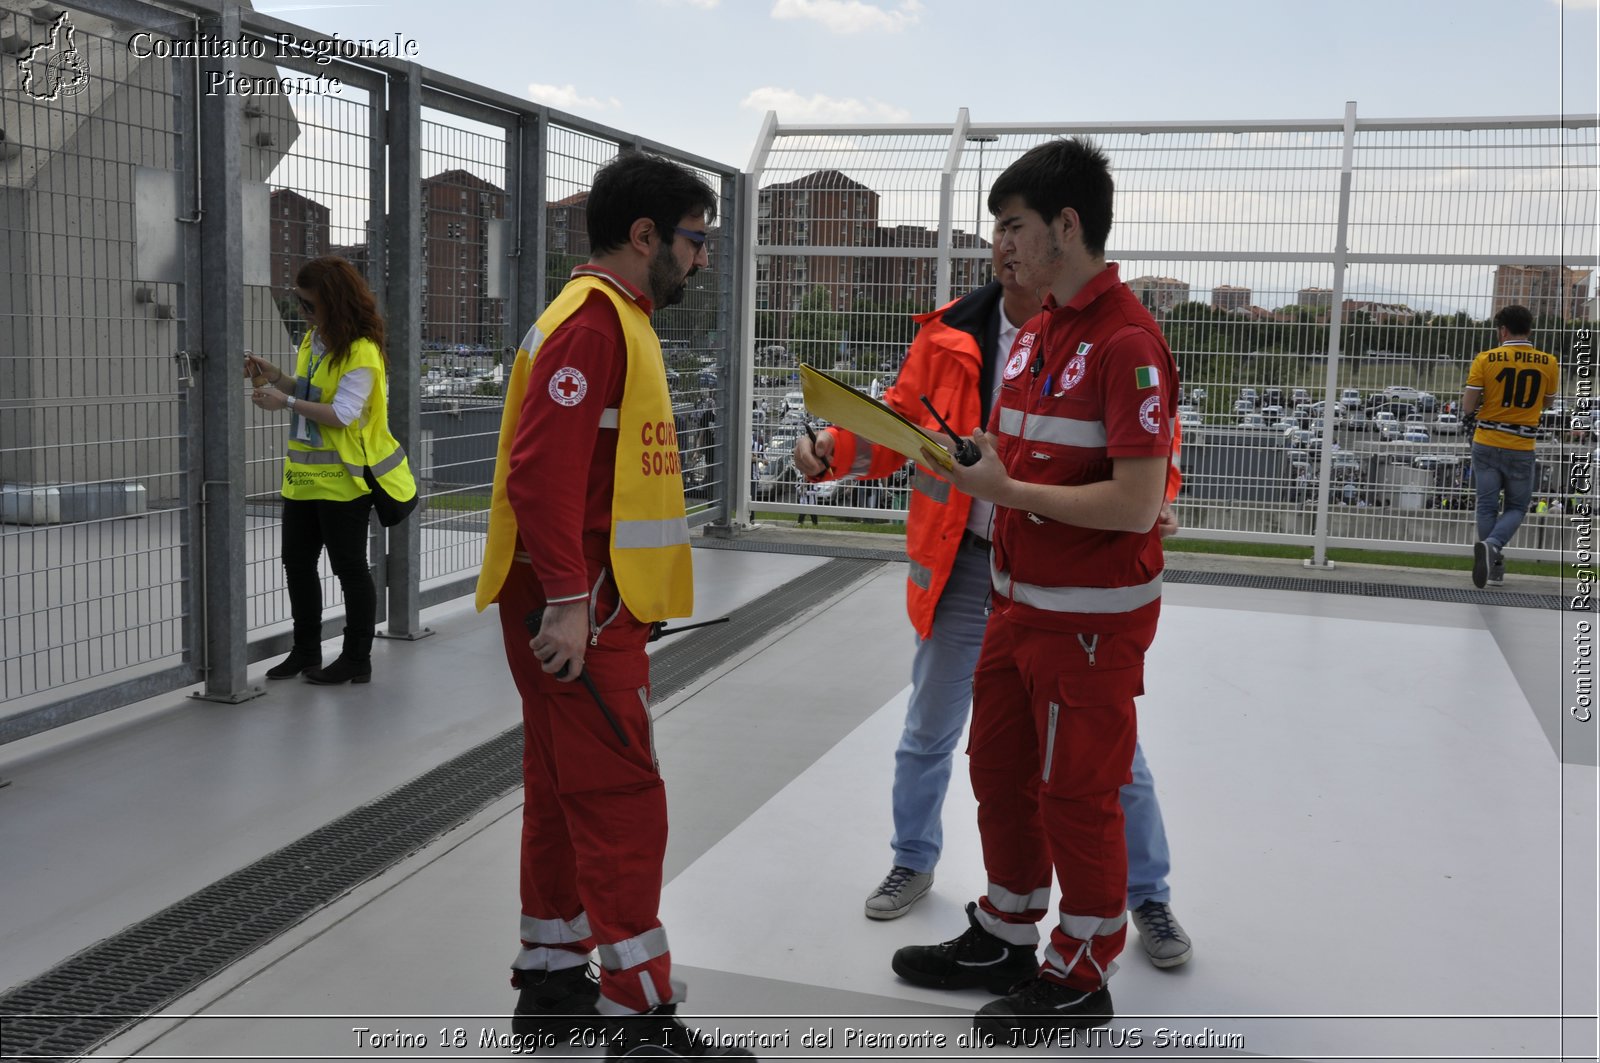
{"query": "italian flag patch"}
(1146, 376)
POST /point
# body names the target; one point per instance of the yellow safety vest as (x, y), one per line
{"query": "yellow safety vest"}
(650, 557)
(329, 468)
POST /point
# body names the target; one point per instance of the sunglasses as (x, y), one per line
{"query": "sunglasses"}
(694, 236)
(306, 305)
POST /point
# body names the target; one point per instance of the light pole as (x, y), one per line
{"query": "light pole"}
(979, 139)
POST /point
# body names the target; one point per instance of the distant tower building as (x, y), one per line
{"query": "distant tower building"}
(1230, 297)
(1321, 298)
(1549, 291)
(457, 209)
(1160, 294)
(299, 234)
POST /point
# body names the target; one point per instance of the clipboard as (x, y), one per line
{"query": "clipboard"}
(833, 400)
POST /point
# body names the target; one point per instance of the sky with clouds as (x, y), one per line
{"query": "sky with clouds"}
(701, 74)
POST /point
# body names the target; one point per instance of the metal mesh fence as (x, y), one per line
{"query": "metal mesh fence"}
(92, 459)
(467, 343)
(125, 567)
(1296, 334)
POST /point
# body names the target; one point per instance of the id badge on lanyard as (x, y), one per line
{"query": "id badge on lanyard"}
(300, 429)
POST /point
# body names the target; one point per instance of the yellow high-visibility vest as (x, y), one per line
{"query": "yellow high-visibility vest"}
(650, 557)
(329, 468)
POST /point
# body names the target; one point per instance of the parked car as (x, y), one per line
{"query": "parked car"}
(1447, 424)
(1253, 421)
(1416, 434)
(1197, 396)
(1249, 395)
(1243, 406)
(1299, 395)
(794, 400)
(1272, 412)
(1350, 398)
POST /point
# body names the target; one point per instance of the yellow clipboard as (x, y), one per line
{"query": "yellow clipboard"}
(833, 400)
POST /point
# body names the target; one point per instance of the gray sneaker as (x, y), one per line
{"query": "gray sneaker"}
(1497, 569)
(898, 892)
(1161, 935)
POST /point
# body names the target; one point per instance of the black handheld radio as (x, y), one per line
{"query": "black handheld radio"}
(963, 450)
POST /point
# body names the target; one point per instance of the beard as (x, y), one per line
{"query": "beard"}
(666, 280)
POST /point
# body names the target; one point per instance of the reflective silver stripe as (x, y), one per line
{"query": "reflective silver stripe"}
(863, 462)
(1084, 927)
(926, 483)
(608, 417)
(649, 534)
(1042, 428)
(555, 931)
(1016, 903)
(542, 959)
(391, 462)
(316, 457)
(921, 575)
(1053, 960)
(1075, 599)
(631, 952)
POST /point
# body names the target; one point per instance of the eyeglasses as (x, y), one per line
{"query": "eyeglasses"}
(694, 236)
(306, 305)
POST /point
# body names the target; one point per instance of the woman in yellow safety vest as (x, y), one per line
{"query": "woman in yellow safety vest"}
(337, 400)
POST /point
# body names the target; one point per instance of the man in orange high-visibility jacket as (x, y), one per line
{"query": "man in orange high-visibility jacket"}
(955, 360)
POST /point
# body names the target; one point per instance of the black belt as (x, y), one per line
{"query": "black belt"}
(973, 541)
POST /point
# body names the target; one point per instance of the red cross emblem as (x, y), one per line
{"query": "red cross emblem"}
(568, 387)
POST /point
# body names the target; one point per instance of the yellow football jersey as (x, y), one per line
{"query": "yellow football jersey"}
(1515, 378)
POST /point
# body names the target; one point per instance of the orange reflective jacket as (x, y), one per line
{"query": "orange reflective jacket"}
(945, 363)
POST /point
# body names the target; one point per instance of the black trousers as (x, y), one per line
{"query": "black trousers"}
(309, 527)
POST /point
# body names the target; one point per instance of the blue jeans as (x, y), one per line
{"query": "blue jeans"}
(941, 698)
(1496, 469)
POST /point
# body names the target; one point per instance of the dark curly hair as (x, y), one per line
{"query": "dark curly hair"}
(347, 309)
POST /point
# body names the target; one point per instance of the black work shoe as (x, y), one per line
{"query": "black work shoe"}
(1480, 564)
(1037, 1008)
(343, 670)
(976, 958)
(554, 1004)
(299, 660)
(659, 1034)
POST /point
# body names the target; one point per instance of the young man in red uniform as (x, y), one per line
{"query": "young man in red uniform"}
(588, 545)
(1076, 463)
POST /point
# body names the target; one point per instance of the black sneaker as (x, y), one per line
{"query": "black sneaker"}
(1480, 564)
(1041, 1007)
(660, 1034)
(976, 958)
(554, 1003)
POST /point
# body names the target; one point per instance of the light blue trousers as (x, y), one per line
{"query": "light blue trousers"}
(1496, 469)
(941, 697)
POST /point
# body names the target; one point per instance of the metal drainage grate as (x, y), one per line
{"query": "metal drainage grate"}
(110, 986)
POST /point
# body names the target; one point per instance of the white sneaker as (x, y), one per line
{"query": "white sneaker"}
(1161, 935)
(898, 892)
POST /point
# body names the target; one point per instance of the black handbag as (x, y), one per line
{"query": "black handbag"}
(390, 510)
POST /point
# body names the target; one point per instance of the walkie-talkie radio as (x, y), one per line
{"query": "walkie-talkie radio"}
(963, 450)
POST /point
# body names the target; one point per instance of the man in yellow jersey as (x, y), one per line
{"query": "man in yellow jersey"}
(587, 547)
(1508, 387)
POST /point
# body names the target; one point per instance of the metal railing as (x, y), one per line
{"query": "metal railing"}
(153, 213)
(1295, 267)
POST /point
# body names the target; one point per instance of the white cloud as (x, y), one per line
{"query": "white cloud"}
(567, 98)
(793, 107)
(851, 16)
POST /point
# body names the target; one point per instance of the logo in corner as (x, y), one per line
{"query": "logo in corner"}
(568, 386)
(1150, 414)
(55, 69)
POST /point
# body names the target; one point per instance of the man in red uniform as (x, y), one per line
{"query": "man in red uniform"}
(588, 545)
(1076, 463)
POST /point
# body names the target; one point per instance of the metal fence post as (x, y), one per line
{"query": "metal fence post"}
(947, 207)
(402, 128)
(1341, 253)
(222, 456)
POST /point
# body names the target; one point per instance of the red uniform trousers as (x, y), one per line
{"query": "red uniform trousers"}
(594, 814)
(1051, 745)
